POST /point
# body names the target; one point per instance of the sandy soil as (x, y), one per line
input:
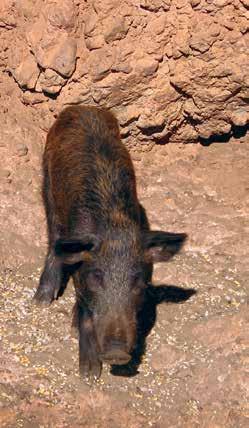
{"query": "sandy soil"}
(194, 369)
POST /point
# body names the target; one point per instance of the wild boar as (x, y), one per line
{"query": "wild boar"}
(97, 234)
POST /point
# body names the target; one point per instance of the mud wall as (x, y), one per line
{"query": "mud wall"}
(172, 70)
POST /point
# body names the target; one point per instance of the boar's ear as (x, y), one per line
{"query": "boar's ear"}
(161, 246)
(74, 250)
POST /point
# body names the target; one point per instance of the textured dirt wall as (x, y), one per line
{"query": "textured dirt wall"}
(172, 70)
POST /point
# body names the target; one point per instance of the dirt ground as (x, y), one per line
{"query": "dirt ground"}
(194, 371)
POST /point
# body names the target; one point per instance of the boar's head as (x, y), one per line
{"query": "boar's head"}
(111, 281)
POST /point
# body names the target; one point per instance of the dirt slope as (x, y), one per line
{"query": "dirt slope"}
(194, 372)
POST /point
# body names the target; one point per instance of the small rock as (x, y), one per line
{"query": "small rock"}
(100, 62)
(239, 117)
(214, 31)
(124, 67)
(27, 73)
(31, 98)
(181, 3)
(155, 5)
(50, 82)
(90, 23)
(157, 25)
(245, 3)
(194, 3)
(115, 28)
(65, 57)
(62, 14)
(60, 57)
(199, 43)
(147, 66)
(5, 175)
(221, 3)
(128, 114)
(21, 150)
(146, 121)
(228, 299)
(95, 42)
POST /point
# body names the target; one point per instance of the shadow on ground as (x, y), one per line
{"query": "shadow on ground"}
(146, 321)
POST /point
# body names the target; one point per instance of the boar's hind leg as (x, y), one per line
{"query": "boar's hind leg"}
(55, 275)
(89, 364)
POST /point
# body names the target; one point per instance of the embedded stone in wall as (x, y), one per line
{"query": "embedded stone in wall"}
(27, 73)
(100, 63)
(95, 42)
(60, 56)
(115, 28)
(50, 82)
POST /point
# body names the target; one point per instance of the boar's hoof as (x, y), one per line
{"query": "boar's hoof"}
(44, 296)
(90, 370)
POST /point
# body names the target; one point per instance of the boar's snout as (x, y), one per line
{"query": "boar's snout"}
(117, 338)
(115, 353)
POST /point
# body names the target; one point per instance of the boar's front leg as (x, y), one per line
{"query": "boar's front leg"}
(89, 364)
(53, 280)
(55, 275)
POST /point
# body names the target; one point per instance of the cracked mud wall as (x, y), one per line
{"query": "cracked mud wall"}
(172, 70)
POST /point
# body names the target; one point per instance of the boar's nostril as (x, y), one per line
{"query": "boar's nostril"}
(115, 352)
(116, 344)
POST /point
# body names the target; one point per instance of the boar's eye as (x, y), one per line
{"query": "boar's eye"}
(98, 275)
(138, 283)
(95, 279)
(137, 276)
